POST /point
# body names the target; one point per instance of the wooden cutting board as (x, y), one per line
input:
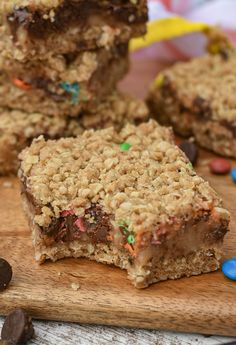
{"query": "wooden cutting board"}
(203, 304)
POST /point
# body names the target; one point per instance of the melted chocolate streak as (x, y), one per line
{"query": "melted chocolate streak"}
(64, 228)
(70, 13)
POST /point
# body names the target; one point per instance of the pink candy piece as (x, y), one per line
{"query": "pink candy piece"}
(155, 239)
(80, 224)
(67, 213)
(155, 242)
(62, 224)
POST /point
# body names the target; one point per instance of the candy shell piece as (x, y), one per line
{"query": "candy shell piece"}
(229, 268)
(159, 80)
(220, 166)
(21, 84)
(233, 174)
(125, 146)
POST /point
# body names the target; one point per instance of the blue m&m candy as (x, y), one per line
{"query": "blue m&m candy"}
(229, 268)
(233, 174)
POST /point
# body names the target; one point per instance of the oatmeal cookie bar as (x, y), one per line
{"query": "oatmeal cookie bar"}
(66, 85)
(18, 129)
(198, 98)
(32, 28)
(137, 203)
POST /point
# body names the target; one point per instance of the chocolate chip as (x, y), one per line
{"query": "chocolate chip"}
(199, 102)
(225, 54)
(17, 328)
(190, 149)
(201, 108)
(230, 126)
(5, 274)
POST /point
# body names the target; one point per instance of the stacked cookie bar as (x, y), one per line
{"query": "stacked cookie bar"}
(19, 128)
(60, 62)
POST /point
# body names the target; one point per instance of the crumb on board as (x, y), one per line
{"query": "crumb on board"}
(7, 184)
(75, 286)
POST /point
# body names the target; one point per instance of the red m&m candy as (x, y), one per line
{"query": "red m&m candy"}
(220, 166)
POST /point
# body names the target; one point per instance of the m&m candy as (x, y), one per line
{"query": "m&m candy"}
(229, 268)
(233, 174)
(219, 166)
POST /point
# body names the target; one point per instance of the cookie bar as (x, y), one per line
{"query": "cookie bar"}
(137, 203)
(197, 98)
(66, 84)
(29, 29)
(18, 129)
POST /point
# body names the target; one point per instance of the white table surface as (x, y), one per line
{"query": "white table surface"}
(59, 333)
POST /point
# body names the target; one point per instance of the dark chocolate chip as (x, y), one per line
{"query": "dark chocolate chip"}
(98, 231)
(18, 327)
(65, 229)
(53, 227)
(230, 126)
(225, 54)
(201, 108)
(190, 149)
(199, 102)
(44, 84)
(5, 274)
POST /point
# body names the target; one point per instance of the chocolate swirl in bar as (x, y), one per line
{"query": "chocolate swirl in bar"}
(40, 24)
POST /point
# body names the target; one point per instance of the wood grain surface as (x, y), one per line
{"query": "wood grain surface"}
(203, 304)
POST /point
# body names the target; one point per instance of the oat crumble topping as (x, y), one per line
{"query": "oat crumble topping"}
(149, 184)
